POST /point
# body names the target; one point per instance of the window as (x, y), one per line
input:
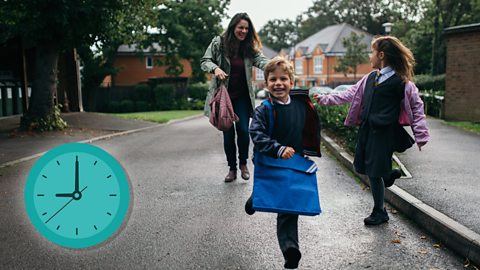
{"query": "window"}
(149, 62)
(318, 65)
(259, 75)
(298, 66)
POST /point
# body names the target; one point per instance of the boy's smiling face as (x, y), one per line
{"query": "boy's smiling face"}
(279, 84)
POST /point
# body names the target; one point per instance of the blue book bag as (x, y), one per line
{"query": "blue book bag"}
(284, 185)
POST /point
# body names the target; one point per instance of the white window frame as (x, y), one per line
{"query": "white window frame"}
(299, 66)
(147, 60)
(259, 76)
(318, 64)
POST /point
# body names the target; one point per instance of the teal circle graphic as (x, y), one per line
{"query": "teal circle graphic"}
(77, 195)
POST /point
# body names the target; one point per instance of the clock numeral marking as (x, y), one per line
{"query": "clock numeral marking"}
(40, 195)
(44, 176)
(108, 213)
(76, 231)
(44, 214)
(58, 227)
(95, 163)
(109, 176)
(95, 227)
(58, 163)
(113, 195)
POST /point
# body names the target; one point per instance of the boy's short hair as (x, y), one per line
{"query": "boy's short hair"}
(279, 62)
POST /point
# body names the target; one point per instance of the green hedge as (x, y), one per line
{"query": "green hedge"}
(332, 118)
(197, 91)
(433, 102)
(427, 82)
(164, 97)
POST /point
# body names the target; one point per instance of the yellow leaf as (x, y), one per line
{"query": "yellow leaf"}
(393, 211)
(436, 245)
(423, 237)
(396, 241)
(466, 263)
(423, 251)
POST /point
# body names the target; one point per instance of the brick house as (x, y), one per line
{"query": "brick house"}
(135, 67)
(315, 57)
(257, 74)
(462, 93)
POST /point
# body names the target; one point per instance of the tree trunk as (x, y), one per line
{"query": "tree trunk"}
(44, 84)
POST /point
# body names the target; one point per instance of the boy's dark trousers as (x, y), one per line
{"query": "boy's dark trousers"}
(287, 231)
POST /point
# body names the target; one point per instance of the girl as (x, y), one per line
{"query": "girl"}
(381, 102)
(230, 58)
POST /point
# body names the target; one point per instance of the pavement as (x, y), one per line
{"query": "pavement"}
(441, 196)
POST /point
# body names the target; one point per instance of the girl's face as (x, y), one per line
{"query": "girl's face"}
(241, 30)
(279, 84)
(377, 59)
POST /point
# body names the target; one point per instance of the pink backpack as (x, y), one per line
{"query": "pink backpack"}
(222, 115)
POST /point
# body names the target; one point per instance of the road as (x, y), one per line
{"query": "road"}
(185, 217)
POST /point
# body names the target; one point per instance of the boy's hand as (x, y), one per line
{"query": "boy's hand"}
(288, 153)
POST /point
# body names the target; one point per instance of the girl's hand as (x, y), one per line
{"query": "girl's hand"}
(316, 97)
(288, 153)
(220, 74)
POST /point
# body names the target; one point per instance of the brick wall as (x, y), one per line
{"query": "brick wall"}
(462, 83)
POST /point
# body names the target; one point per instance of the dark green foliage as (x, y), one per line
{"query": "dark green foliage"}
(429, 82)
(127, 106)
(197, 91)
(433, 102)
(332, 118)
(143, 106)
(143, 92)
(164, 97)
(114, 106)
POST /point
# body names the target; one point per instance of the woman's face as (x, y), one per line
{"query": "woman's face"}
(241, 30)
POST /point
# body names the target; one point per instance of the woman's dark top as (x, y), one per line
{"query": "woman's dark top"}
(237, 84)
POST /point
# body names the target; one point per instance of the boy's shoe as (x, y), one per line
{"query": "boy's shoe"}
(377, 217)
(244, 172)
(394, 174)
(231, 176)
(292, 257)
(249, 206)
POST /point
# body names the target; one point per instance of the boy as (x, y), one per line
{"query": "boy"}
(296, 130)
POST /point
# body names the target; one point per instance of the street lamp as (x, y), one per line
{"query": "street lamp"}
(388, 27)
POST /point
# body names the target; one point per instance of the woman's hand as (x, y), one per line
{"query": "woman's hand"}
(288, 152)
(220, 74)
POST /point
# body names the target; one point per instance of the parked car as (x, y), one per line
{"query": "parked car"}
(342, 87)
(322, 90)
(262, 94)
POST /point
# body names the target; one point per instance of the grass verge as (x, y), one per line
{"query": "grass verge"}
(158, 116)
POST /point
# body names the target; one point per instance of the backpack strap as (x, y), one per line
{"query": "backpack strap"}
(271, 116)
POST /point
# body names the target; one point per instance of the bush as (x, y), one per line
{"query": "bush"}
(127, 106)
(143, 93)
(143, 106)
(428, 82)
(164, 97)
(113, 106)
(433, 102)
(197, 91)
(332, 118)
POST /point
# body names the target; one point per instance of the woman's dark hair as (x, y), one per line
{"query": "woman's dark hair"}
(250, 46)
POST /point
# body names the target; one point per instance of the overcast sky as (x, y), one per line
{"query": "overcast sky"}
(261, 11)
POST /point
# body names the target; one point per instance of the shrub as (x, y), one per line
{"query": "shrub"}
(113, 106)
(143, 93)
(197, 91)
(127, 106)
(433, 102)
(143, 106)
(427, 82)
(164, 97)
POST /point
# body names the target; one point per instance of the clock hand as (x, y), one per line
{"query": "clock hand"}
(64, 195)
(76, 176)
(63, 207)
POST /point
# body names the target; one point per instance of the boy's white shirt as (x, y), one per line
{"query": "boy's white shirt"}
(280, 102)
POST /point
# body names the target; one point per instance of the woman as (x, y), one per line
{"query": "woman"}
(230, 58)
(382, 101)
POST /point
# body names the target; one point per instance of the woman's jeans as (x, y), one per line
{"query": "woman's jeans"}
(242, 107)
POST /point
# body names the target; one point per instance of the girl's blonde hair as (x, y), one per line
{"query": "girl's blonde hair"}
(279, 62)
(397, 55)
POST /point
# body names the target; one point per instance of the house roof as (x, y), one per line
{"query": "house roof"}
(133, 49)
(463, 28)
(330, 39)
(269, 52)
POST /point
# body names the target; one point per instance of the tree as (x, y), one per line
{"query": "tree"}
(52, 26)
(279, 34)
(356, 54)
(185, 30)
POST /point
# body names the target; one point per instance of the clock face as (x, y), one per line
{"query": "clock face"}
(77, 195)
